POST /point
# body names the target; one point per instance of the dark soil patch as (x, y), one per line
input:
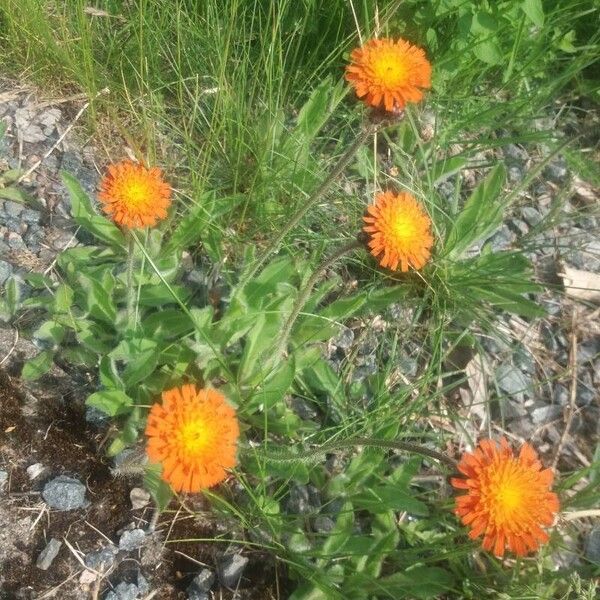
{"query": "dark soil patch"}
(55, 434)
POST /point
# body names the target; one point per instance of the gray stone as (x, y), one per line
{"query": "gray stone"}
(323, 524)
(515, 173)
(511, 380)
(143, 585)
(132, 539)
(556, 171)
(588, 350)
(531, 215)
(560, 394)
(139, 498)
(298, 502)
(592, 545)
(48, 554)
(230, 569)
(3, 479)
(515, 153)
(303, 409)
(95, 417)
(193, 595)
(13, 209)
(64, 493)
(6, 270)
(201, 582)
(101, 560)
(15, 241)
(30, 131)
(545, 414)
(123, 591)
(31, 217)
(35, 470)
(502, 239)
(344, 338)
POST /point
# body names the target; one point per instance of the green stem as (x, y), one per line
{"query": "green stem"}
(304, 293)
(337, 170)
(362, 441)
(131, 291)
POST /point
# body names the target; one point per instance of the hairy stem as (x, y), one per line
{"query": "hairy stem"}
(309, 455)
(337, 170)
(304, 293)
(131, 292)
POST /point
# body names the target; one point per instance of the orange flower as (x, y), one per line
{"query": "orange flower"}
(508, 498)
(193, 434)
(134, 196)
(389, 74)
(400, 230)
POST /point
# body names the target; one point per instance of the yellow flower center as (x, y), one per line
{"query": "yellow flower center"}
(193, 437)
(388, 69)
(136, 192)
(403, 228)
(509, 496)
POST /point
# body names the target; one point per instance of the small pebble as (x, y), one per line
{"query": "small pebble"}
(132, 539)
(48, 554)
(64, 493)
(592, 545)
(201, 582)
(101, 560)
(123, 591)
(139, 498)
(230, 569)
(35, 470)
(3, 479)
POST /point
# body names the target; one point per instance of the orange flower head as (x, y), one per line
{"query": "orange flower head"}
(134, 196)
(193, 434)
(508, 498)
(388, 73)
(399, 231)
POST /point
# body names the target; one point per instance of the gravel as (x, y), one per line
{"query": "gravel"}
(123, 591)
(48, 554)
(3, 479)
(64, 493)
(592, 545)
(201, 584)
(101, 560)
(230, 568)
(132, 540)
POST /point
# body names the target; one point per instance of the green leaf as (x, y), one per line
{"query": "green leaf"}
(481, 215)
(85, 216)
(12, 291)
(159, 489)
(380, 498)
(13, 194)
(168, 323)
(96, 296)
(274, 389)
(63, 298)
(424, 583)
(534, 9)
(488, 52)
(38, 281)
(442, 169)
(111, 402)
(38, 365)
(159, 295)
(50, 331)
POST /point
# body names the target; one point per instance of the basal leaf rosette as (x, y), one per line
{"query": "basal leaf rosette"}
(134, 196)
(508, 499)
(193, 434)
(389, 74)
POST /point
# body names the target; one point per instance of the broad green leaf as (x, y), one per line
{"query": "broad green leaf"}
(12, 295)
(159, 489)
(274, 389)
(37, 366)
(380, 498)
(483, 23)
(488, 52)
(168, 323)
(111, 402)
(50, 331)
(159, 295)
(534, 9)
(481, 215)
(442, 169)
(424, 583)
(96, 296)
(63, 298)
(85, 216)
(38, 281)
(280, 270)
(379, 299)
(13, 194)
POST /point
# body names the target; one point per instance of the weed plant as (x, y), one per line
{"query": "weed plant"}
(244, 105)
